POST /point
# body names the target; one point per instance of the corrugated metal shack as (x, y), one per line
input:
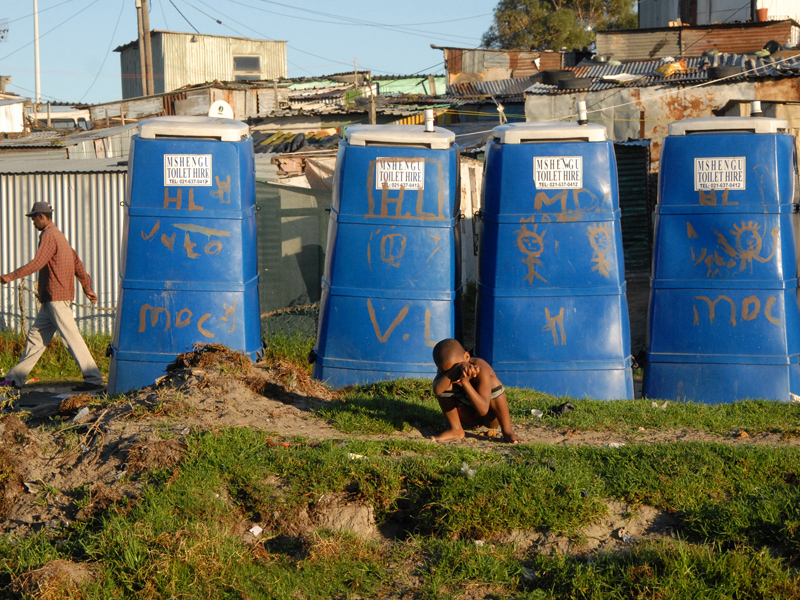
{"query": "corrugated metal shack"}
(87, 197)
(739, 38)
(644, 107)
(109, 142)
(465, 65)
(290, 106)
(12, 114)
(181, 59)
(703, 12)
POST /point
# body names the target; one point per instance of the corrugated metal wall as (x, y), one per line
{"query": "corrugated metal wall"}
(647, 44)
(87, 208)
(177, 61)
(11, 117)
(738, 40)
(692, 41)
(497, 64)
(131, 73)
(210, 58)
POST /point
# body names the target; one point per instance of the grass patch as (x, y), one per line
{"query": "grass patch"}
(56, 363)
(182, 538)
(400, 405)
(295, 348)
(627, 416)
(667, 570)
(384, 407)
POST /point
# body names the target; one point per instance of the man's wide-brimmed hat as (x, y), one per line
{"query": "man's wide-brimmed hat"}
(40, 208)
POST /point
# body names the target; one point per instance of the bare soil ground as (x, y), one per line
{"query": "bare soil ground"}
(64, 465)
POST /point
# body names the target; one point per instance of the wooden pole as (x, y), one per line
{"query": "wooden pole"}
(21, 291)
(373, 111)
(37, 75)
(142, 61)
(148, 49)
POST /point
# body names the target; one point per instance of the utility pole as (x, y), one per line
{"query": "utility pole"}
(36, 52)
(142, 62)
(148, 48)
(373, 112)
(145, 51)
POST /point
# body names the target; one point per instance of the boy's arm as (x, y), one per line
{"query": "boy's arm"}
(480, 395)
(445, 381)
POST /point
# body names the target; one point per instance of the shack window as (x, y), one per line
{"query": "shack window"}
(247, 63)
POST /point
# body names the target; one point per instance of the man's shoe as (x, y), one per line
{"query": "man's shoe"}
(7, 383)
(88, 387)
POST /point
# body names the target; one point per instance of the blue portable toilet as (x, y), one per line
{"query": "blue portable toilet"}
(551, 312)
(391, 287)
(188, 267)
(723, 317)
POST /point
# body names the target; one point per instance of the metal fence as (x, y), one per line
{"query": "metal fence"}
(86, 196)
(87, 208)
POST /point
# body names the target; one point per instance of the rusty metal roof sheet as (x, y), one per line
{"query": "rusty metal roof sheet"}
(693, 40)
(503, 87)
(696, 72)
(393, 109)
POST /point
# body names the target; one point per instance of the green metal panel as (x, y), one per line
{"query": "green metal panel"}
(292, 228)
(633, 164)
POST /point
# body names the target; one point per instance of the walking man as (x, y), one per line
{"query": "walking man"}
(58, 266)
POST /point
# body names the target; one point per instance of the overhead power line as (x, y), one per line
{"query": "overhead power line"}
(184, 16)
(107, 52)
(342, 20)
(40, 12)
(64, 22)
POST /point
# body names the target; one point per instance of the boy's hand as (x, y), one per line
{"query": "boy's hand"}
(469, 370)
(464, 371)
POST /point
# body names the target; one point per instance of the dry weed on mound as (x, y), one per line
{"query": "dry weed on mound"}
(212, 357)
(13, 439)
(282, 376)
(101, 498)
(10, 483)
(272, 378)
(74, 402)
(149, 455)
(54, 581)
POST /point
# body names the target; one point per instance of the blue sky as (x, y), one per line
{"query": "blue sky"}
(78, 37)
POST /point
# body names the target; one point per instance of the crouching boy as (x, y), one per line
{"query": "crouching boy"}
(469, 393)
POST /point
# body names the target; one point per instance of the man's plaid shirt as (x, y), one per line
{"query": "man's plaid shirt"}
(58, 265)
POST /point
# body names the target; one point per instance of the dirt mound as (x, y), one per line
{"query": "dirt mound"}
(57, 579)
(12, 430)
(10, 483)
(618, 529)
(101, 498)
(13, 439)
(282, 377)
(212, 357)
(74, 402)
(149, 455)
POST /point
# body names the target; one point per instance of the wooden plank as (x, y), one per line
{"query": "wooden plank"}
(196, 105)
